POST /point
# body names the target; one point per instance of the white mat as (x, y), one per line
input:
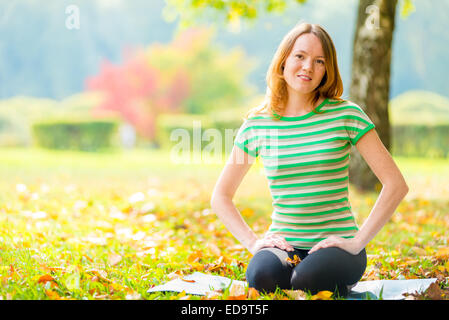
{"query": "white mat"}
(388, 289)
(375, 289)
(204, 283)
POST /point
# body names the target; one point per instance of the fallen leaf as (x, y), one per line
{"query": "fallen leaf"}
(214, 249)
(253, 294)
(237, 292)
(247, 212)
(101, 274)
(45, 278)
(322, 295)
(213, 295)
(237, 247)
(133, 296)
(52, 269)
(88, 258)
(293, 261)
(434, 292)
(197, 266)
(178, 296)
(175, 275)
(194, 256)
(114, 259)
(419, 251)
(187, 280)
(442, 253)
(53, 295)
(296, 294)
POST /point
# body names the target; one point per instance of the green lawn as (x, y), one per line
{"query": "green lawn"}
(110, 225)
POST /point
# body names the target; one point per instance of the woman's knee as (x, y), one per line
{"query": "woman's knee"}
(314, 281)
(266, 271)
(329, 269)
(305, 279)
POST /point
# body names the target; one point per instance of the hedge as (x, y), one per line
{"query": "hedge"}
(198, 131)
(421, 141)
(83, 135)
(408, 140)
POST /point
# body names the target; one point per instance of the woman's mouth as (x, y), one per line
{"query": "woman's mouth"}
(304, 78)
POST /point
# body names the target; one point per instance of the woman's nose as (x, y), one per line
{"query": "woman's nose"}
(307, 65)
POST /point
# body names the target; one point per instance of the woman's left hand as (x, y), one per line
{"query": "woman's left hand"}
(349, 245)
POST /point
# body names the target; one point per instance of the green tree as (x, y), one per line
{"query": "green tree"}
(217, 78)
(373, 38)
(187, 75)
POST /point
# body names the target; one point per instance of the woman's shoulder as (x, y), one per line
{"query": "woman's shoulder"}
(343, 103)
(260, 112)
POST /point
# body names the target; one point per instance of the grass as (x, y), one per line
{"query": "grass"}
(111, 225)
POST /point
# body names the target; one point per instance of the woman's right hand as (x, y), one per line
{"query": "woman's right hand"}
(270, 241)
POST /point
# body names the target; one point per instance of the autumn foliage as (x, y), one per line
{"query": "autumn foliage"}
(138, 92)
(116, 226)
(190, 75)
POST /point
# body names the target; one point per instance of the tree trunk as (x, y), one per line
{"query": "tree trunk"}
(370, 86)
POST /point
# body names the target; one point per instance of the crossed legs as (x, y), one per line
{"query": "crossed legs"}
(331, 269)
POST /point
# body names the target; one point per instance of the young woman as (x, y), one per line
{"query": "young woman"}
(304, 132)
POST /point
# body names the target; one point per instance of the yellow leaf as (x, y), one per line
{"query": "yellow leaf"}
(45, 278)
(237, 292)
(293, 261)
(101, 274)
(253, 294)
(114, 259)
(174, 275)
(419, 251)
(179, 296)
(394, 252)
(322, 295)
(198, 266)
(442, 253)
(446, 266)
(296, 294)
(213, 295)
(214, 249)
(53, 295)
(435, 234)
(247, 212)
(241, 297)
(194, 257)
(116, 286)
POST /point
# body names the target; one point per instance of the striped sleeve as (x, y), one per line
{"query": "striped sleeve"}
(357, 124)
(247, 140)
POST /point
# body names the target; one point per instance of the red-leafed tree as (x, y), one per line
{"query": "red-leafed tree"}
(137, 92)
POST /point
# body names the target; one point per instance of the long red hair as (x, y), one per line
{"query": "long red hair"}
(276, 96)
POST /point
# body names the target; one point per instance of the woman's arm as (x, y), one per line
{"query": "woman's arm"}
(221, 203)
(394, 189)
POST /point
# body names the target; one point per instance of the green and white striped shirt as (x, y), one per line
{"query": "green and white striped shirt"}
(306, 162)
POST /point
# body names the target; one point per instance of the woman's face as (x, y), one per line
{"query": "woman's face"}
(305, 66)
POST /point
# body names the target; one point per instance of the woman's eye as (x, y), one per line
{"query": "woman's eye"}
(299, 56)
(320, 61)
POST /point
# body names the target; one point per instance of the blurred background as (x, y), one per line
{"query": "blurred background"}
(112, 79)
(96, 199)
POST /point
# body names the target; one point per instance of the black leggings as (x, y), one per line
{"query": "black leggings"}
(331, 269)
